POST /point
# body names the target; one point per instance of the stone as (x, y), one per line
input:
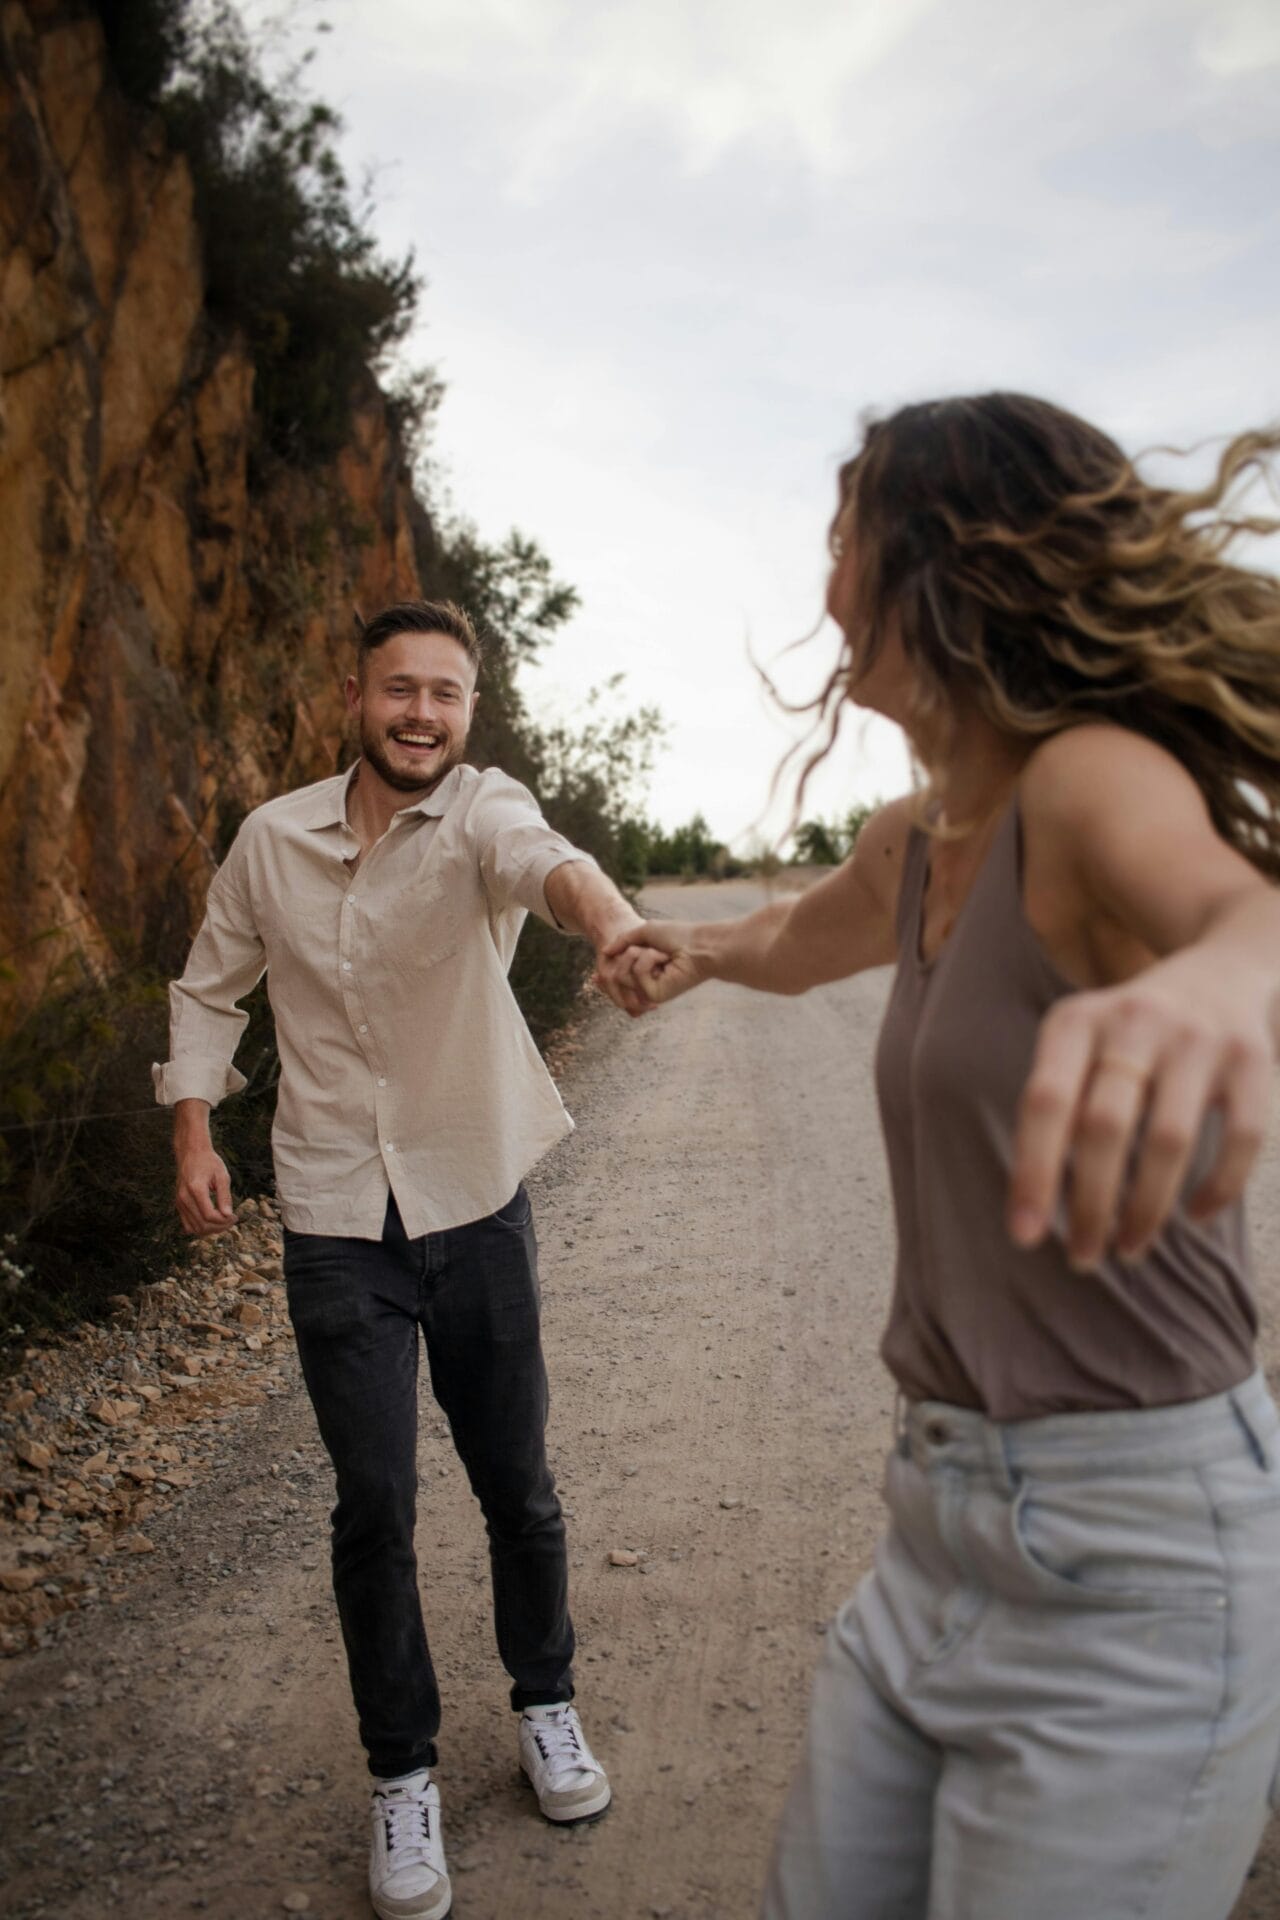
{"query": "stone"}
(135, 1543)
(33, 1453)
(729, 1501)
(250, 1314)
(19, 1579)
(96, 1461)
(190, 1364)
(296, 1901)
(127, 1410)
(104, 1411)
(623, 1557)
(20, 1400)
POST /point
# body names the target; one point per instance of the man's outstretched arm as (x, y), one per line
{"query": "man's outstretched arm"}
(586, 902)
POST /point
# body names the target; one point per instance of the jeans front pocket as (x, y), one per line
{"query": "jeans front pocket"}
(517, 1213)
(1144, 1541)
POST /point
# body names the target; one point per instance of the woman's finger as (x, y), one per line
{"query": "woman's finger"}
(1046, 1114)
(1177, 1103)
(1102, 1138)
(1244, 1099)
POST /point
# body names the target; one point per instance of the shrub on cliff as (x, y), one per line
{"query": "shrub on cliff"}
(289, 257)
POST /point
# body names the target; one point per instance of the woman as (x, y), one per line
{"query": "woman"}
(1058, 1693)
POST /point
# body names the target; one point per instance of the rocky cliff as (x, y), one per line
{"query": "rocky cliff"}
(172, 638)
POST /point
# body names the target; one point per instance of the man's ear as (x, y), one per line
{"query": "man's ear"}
(351, 693)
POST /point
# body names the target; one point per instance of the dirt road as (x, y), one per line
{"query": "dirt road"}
(715, 1250)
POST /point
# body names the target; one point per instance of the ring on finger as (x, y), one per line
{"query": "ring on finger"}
(1124, 1063)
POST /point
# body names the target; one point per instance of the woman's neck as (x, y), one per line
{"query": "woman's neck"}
(978, 772)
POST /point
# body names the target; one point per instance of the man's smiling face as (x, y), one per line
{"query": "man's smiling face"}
(414, 701)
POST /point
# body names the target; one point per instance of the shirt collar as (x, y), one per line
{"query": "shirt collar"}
(330, 807)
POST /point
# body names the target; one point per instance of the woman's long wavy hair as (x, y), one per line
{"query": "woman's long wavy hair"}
(1032, 571)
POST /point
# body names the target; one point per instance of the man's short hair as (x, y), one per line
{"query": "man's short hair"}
(419, 616)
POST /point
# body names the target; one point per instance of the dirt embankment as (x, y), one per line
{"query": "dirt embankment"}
(716, 1251)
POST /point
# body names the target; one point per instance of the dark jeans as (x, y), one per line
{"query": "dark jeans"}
(356, 1307)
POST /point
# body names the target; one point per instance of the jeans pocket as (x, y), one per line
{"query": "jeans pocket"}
(517, 1213)
(1144, 1543)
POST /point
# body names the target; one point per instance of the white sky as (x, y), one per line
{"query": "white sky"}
(676, 247)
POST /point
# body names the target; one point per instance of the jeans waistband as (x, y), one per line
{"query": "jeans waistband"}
(1067, 1445)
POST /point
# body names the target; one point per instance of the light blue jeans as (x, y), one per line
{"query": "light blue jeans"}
(1057, 1695)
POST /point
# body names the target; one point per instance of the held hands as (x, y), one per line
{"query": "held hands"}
(650, 964)
(1122, 1082)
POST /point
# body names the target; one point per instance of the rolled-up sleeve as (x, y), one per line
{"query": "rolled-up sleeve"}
(517, 849)
(205, 1023)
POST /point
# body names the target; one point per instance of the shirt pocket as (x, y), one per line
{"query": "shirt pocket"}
(418, 927)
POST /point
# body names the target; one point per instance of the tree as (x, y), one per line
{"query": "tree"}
(817, 844)
(825, 843)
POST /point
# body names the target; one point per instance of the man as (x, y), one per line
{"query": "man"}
(384, 905)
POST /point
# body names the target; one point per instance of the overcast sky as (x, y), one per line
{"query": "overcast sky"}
(675, 248)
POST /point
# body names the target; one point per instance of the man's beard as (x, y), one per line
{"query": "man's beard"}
(374, 752)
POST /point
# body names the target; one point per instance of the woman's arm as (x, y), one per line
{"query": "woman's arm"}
(1139, 1064)
(842, 925)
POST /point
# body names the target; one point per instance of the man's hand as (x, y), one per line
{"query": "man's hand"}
(584, 901)
(615, 974)
(653, 959)
(204, 1185)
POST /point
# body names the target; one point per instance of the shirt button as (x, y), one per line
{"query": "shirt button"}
(390, 1148)
(364, 1026)
(382, 1079)
(346, 966)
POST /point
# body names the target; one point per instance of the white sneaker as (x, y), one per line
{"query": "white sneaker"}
(407, 1877)
(569, 1781)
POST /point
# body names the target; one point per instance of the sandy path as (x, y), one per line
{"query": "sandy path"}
(715, 1252)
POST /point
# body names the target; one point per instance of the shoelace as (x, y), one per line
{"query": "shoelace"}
(558, 1743)
(408, 1822)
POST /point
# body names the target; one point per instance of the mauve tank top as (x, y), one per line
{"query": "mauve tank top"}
(975, 1320)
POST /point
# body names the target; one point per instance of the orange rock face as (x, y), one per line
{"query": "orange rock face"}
(172, 644)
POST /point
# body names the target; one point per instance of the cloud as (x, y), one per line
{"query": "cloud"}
(676, 248)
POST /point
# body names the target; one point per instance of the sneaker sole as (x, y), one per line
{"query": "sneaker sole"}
(392, 1909)
(580, 1815)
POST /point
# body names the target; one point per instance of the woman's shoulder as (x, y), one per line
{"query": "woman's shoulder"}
(1080, 778)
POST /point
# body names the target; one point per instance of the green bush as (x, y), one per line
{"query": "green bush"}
(86, 1164)
(825, 843)
(289, 257)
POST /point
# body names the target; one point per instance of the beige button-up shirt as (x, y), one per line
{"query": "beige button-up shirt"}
(405, 1061)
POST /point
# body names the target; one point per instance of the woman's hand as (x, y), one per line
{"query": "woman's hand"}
(655, 959)
(1121, 1086)
(1125, 1075)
